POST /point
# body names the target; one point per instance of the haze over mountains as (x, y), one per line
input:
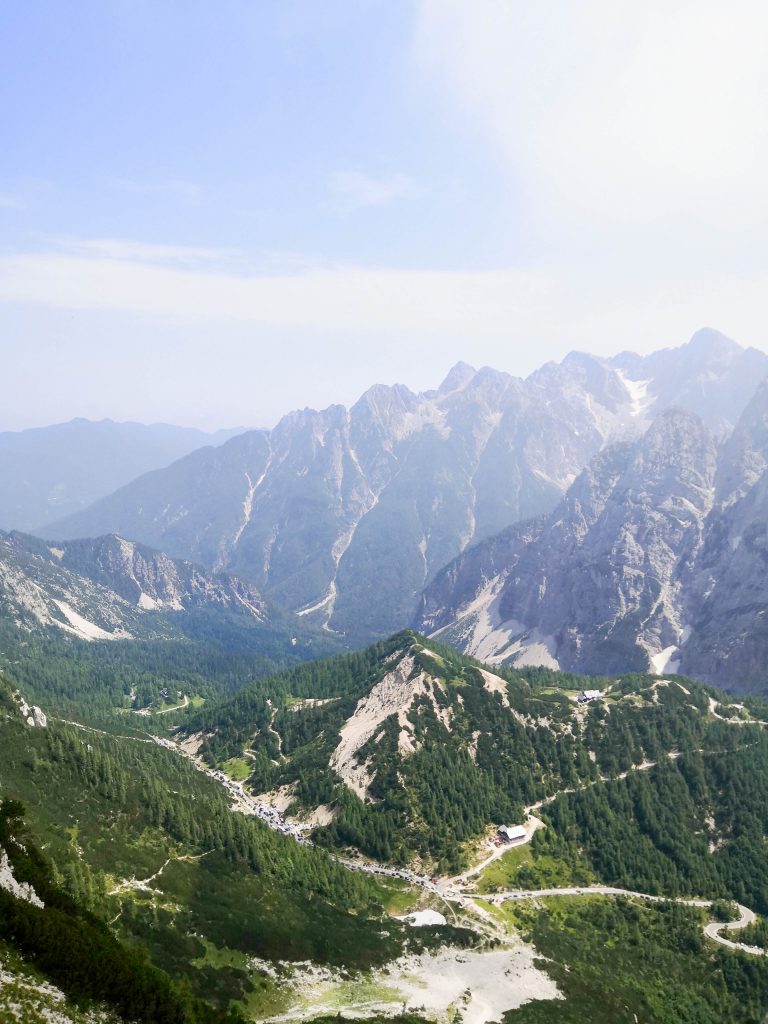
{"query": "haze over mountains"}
(344, 516)
(52, 471)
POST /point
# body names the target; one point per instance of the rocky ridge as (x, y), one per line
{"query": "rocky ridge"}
(343, 516)
(655, 559)
(113, 589)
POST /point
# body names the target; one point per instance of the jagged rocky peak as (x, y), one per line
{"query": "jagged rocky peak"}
(457, 378)
(579, 374)
(595, 586)
(593, 373)
(745, 453)
(490, 386)
(586, 497)
(311, 422)
(632, 364)
(386, 404)
(390, 491)
(710, 375)
(144, 577)
(707, 344)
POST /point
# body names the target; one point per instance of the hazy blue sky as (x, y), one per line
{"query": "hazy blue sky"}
(211, 213)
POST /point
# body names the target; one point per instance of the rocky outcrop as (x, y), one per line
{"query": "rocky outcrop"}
(729, 580)
(21, 890)
(34, 716)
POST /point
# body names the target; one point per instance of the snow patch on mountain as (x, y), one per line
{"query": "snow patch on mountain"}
(639, 398)
(666, 662)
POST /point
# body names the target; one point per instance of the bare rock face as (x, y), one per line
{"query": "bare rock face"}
(729, 580)
(343, 516)
(595, 586)
(656, 558)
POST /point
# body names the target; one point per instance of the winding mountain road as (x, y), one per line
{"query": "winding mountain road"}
(454, 890)
(712, 929)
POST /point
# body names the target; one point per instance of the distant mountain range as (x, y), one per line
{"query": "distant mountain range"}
(656, 558)
(48, 472)
(345, 516)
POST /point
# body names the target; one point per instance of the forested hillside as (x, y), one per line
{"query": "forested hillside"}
(113, 809)
(109, 591)
(414, 750)
(54, 932)
(101, 625)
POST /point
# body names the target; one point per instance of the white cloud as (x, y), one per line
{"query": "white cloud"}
(147, 252)
(497, 315)
(643, 124)
(355, 189)
(343, 297)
